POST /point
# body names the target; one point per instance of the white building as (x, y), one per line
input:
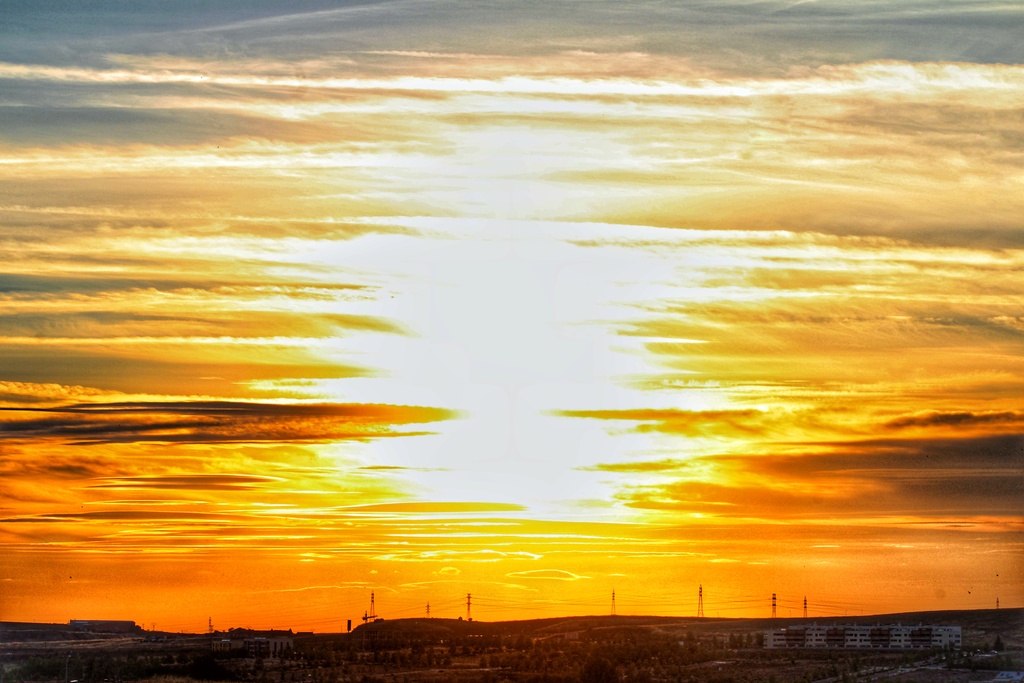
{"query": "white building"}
(878, 637)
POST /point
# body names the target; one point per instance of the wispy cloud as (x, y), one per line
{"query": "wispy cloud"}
(874, 78)
(441, 507)
(217, 422)
(959, 419)
(683, 422)
(198, 482)
(895, 479)
(548, 574)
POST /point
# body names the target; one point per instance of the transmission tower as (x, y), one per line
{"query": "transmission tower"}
(773, 605)
(469, 604)
(805, 607)
(613, 602)
(997, 603)
(428, 610)
(700, 600)
(372, 614)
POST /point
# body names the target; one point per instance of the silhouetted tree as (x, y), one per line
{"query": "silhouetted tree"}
(598, 670)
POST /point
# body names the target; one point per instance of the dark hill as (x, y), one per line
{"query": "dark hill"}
(978, 625)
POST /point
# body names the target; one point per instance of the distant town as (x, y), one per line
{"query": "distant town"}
(976, 645)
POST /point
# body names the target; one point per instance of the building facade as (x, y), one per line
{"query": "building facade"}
(104, 626)
(268, 648)
(889, 637)
(256, 644)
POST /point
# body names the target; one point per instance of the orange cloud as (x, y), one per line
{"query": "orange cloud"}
(955, 478)
(681, 422)
(437, 507)
(549, 574)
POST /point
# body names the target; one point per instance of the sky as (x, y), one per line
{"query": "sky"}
(533, 301)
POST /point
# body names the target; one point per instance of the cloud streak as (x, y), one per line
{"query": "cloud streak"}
(217, 422)
(681, 422)
(892, 481)
(546, 574)
(959, 419)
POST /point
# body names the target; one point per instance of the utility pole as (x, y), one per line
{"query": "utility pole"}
(613, 602)
(773, 605)
(469, 603)
(428, 610)
(700, 600)
(805, 607)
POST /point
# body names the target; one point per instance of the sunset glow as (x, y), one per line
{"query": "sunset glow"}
(531, 300)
